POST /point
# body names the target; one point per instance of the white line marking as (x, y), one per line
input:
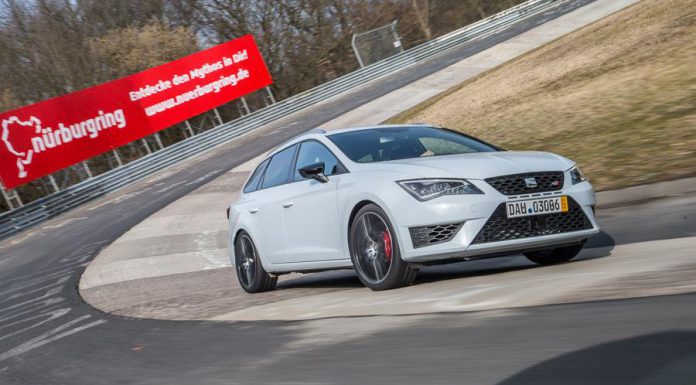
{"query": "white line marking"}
(63, 223)
(50, 336)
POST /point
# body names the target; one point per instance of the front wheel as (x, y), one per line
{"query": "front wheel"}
(250, 273)
(374, 250)
(554, 256)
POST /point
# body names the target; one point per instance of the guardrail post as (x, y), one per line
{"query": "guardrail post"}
(6, 197)
(269, 96)
(87, 170)
(118, 158)
(53, 183)
(146, 145)
(189, 128)
(158, 140)
(10, 195)
(217, 115)
(245, 106)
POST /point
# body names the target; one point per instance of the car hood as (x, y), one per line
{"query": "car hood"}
(480, 165)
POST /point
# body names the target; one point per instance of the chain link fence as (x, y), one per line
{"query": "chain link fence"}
(377, 44)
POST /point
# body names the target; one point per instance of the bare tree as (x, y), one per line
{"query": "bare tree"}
(131, 49)
(422, 10)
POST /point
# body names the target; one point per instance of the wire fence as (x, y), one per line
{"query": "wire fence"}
(377, 44)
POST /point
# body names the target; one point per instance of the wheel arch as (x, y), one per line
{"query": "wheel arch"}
(233, 243)
(354, 212)
(266, 265)
(359, 205)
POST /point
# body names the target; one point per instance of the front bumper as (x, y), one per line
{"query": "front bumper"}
(470, 213)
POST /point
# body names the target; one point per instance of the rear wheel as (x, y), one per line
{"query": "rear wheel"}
(250, 273)
(554, 256)
(374, 250)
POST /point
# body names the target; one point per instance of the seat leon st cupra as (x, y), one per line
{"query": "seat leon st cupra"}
(386, 200)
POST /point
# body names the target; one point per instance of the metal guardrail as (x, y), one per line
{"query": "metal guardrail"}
(44, 208)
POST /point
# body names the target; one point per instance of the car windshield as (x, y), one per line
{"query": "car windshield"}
(392, 143)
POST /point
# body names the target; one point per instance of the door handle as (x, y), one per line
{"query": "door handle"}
(254, 211)
(287, 204)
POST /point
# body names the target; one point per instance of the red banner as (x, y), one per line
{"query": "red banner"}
(45, 137)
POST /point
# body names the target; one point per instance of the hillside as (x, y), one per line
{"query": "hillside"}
(618, 96)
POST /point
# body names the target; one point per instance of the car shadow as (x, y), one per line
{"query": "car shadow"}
(660, 358)
(598, 246)
(337, 279)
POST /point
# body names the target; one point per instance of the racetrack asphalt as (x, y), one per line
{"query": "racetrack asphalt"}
(49, 336)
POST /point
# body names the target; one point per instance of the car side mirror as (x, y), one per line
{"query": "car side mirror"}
(314, 171)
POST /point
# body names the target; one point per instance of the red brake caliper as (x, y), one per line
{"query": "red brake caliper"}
(386, 237)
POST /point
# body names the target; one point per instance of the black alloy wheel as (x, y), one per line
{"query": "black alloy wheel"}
(250, 273)
(374, 250)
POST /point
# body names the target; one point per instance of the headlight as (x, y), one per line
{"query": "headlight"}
(427, 189)
(576, 176)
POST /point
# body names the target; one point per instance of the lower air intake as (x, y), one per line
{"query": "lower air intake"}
(430, 235)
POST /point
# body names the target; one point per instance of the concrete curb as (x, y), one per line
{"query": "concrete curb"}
(630, 195)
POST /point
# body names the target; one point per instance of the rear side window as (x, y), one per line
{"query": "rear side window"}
(278, 170)
(255, 179)
(314, 152)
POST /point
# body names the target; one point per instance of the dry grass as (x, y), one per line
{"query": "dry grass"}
(618, 96)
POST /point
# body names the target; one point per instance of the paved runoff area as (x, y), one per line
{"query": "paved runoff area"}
(185, 273)
(174, 264)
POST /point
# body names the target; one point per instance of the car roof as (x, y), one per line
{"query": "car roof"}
(320, 132)
(380, 126)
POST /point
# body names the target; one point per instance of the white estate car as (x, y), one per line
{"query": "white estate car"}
(386, 200)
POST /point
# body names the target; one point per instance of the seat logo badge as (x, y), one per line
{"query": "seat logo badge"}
(530, 182)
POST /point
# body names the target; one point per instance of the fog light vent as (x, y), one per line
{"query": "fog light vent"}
(429, 235)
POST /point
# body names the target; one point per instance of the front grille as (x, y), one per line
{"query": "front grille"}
(501, 228)
(516, 184)
(430, 235)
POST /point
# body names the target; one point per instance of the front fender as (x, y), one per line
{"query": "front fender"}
(377, 189)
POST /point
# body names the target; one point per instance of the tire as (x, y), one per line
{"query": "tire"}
(250, 272)
(554, 256)
(375, 253)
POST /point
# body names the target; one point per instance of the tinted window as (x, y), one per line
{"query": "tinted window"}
(440, 146)
(392, 143)
(314, 152)
(278, 170)
(253, 183)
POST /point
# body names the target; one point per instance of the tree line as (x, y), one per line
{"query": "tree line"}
(53, 47)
